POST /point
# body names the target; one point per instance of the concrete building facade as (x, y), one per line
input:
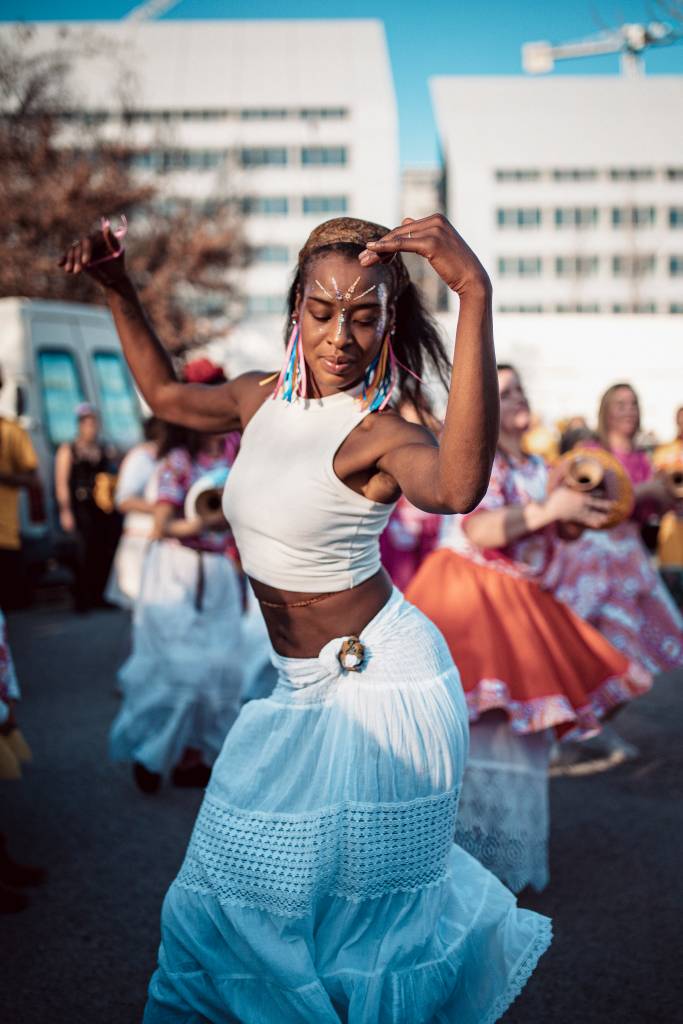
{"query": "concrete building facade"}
(292, 121)
(570, 188)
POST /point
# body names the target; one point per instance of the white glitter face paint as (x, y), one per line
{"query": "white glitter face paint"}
(383, 296)
(366, 292)
(340, 324)
(347, 296)
(351, 290)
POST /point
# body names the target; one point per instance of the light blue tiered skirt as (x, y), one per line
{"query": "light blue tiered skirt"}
(321, 883)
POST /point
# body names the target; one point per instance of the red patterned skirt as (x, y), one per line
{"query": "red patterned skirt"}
(520, 650)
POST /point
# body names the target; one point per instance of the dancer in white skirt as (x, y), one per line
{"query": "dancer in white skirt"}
(321, 883)
(181, 684)
(135, 472)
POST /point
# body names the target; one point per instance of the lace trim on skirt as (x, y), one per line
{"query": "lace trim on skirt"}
(283, 863)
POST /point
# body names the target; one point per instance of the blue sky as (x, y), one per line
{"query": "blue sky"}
(425, 38)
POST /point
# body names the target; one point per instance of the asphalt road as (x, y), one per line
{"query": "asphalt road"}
(83, 951)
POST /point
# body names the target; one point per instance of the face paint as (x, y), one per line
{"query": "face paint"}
(352, 289)
(366, 292)
(348, 296)
(340, 324)
(383, 296)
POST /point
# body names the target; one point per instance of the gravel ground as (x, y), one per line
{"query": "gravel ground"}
(83, 951)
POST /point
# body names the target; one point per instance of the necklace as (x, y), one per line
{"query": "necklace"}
(297, 604)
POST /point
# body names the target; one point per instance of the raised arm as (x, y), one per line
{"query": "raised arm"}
(202, 407)
(454, 477)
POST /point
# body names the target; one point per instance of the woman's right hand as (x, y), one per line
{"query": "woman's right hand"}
(96, 255)
(567, 506)
(67, 521)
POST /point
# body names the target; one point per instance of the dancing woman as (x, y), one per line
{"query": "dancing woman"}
(181, 684)
(606, 576)
(530, 667)
(321, 883)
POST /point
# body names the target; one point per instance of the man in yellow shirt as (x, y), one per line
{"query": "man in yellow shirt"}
(18, 464)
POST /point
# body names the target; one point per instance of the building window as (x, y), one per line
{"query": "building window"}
(325, 204)
(576, 216)
(674, 173)
(263, 114)
(577, 307)
(177, 160)
(271, 254)
(676, 266)
(633, 216)
(676, 307)
(519, 266)
(576, 266)
(62, 390)
(634, 307)
(574, 174)
(330, 156)
(633, 266)
(282, 114)
(267, 206)
(518, 174)
(631, 173)
(263, 156)
(118, 403)
(676, 216)
(265, 305)
(324, 113)
(524, 217)
(519, 308)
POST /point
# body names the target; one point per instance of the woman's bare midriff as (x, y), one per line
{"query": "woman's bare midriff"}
(301, 632)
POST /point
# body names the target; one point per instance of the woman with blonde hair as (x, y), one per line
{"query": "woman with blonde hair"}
(606, 576)
(532, 670)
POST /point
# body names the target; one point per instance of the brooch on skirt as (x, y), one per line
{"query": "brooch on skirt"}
(352, 654)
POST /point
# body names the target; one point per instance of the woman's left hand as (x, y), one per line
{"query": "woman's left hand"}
(435, 239)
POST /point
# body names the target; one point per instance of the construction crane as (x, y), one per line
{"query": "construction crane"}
(150, 9)
(629, 40)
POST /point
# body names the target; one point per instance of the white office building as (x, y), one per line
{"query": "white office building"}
(294, 121)
(569, 188)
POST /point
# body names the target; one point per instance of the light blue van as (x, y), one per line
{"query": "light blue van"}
(55, 355)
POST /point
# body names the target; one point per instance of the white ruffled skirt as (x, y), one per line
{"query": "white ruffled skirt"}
(504, 817)
(321, 883)
(181, 684)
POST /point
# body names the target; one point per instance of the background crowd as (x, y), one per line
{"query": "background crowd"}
(144, 531)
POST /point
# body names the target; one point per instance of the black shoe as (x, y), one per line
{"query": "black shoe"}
(195, 777)
(148, 782)
(11, 902)
(14, 874)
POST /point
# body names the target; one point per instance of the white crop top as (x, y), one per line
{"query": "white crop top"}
(297, 526)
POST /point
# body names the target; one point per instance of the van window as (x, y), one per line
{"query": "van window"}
(62, 390)
(118, 402)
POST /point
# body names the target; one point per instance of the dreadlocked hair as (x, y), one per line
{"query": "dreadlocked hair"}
(417, 340)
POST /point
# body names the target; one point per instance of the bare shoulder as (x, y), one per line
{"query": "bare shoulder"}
(389, 430)
(251, 389)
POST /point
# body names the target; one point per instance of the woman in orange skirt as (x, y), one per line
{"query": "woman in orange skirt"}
(531, 669)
